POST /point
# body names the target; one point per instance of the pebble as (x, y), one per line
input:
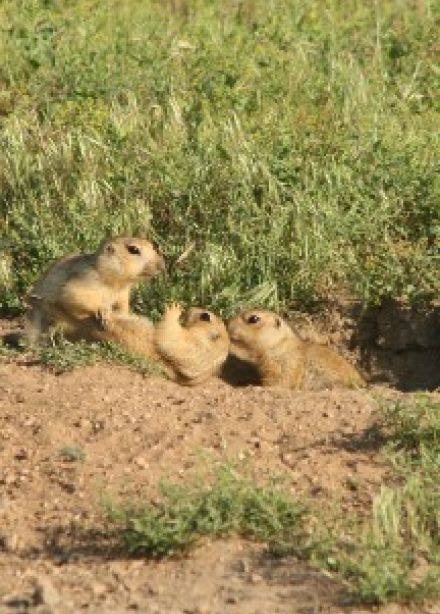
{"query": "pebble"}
(255, 578)
(231, 599)
(45, 592)
(141, 462)
(288, 459)
(21, 455)
(82, 423)
(98, 589)
(10, 543)
(243, 565)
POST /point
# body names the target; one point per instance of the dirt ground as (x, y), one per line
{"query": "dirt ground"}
(135, 430)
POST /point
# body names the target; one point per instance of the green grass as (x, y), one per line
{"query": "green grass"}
(295, 142)
(60, 356)
(72, 454)
(230, 504)
(415, 427)
(390, 554)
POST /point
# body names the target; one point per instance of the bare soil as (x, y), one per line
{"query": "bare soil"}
(134, 431)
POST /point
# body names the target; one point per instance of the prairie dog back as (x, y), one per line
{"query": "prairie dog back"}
(282, 358)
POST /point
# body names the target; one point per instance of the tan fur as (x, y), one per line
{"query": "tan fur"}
(134, 333)
(283, 358)
(191, 346)
(80, 290)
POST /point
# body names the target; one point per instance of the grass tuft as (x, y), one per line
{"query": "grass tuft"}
(231, 504)
(415, 427)
(61, 356)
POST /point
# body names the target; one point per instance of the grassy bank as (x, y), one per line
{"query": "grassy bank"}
(294, 142)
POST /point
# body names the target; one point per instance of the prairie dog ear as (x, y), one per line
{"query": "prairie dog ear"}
(110, 249)
(277, 322)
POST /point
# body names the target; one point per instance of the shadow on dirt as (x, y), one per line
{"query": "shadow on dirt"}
(308, 589)
(401, 345)
(66, 544)
(371, 439)
(311, 589)
(238, 372)
(396, 344)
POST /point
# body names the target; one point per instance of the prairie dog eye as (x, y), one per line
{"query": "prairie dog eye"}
(133, 249)
(253, 319)
(205, 316)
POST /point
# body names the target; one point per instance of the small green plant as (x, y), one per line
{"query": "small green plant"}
(395, 555)
(414, 427)
(113, 352)
(61, 355)
(231, 504)
(72, 454)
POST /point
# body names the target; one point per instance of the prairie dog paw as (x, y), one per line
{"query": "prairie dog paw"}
(173, 310)
(102, 319)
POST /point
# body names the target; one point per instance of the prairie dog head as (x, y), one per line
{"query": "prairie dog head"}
(128, 259)
(193, 342)
(256, 330)
(204, 322)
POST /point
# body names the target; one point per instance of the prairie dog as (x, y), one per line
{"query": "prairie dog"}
(132, 332)
(282, 358)
(193, 344)
(90, 287)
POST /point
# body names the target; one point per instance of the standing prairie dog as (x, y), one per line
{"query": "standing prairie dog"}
(193, 344)
(90, 288)
(282, 358)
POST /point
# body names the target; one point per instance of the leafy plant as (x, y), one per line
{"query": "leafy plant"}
(230, 504)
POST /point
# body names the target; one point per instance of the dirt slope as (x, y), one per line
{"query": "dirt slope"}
(135, 430)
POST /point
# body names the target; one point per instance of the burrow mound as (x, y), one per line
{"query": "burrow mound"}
(393, 343)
